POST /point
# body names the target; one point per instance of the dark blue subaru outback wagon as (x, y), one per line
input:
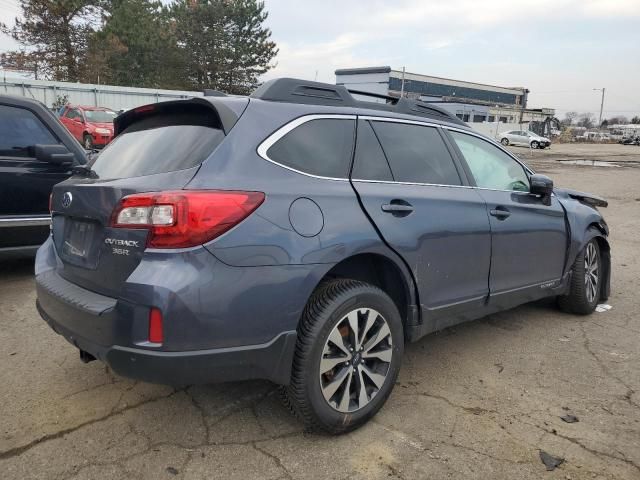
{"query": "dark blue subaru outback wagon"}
(303, 235)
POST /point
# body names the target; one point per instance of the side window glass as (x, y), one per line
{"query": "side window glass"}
(21, 129)
(370, 162)
(416, 154)
(490, 166)
(74, 114)
(320, 147)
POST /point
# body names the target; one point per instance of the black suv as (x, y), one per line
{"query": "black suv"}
(36, 152)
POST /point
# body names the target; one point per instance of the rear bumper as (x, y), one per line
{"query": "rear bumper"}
(115, 331)
(270, 361)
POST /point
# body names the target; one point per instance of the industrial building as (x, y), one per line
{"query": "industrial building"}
(469, 101)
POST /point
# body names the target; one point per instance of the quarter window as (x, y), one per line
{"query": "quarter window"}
(320, 147)
(416, 154)
(21, 129)
(370, 162)
(490, 166)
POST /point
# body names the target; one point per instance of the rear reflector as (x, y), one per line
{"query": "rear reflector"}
(185, 218)
(155, 326)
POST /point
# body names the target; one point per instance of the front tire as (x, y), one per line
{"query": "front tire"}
(535, 145)
(348, 355)
(586, 281)
(87, 141)
(505, 141)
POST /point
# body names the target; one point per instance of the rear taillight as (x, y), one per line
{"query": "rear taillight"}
(184, 218)
(156, 334)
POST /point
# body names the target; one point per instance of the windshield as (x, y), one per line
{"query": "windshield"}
(100, 116)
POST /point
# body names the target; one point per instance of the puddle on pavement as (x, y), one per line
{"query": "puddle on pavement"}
(589, 163)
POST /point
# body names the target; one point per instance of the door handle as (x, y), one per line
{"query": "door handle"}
(398, 208)
(501, 213)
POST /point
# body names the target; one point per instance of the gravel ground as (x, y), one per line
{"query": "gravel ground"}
(480, 400)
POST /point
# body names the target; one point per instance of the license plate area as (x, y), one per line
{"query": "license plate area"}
(79, 243)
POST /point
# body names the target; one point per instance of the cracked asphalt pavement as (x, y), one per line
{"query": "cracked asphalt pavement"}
(480, 400)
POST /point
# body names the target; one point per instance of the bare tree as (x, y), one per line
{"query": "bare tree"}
(618, 120)
(569, 118)
(586, 120)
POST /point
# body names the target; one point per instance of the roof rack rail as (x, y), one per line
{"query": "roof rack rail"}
(292, 90)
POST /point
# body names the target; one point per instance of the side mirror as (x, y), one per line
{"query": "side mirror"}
(541, 185)
(55, 154)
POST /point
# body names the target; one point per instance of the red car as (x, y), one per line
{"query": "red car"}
(92, 126)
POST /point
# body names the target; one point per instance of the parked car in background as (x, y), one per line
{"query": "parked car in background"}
(302, 236)
(593, 137)
(36, 152)
(92, 126)
(525, 138)
(631, 140)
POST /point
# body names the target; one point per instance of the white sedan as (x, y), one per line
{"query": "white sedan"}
(525, 138)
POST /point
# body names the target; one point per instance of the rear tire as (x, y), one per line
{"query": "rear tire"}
(348, 355)
(584, 290)
(87, 141)
(505, 141)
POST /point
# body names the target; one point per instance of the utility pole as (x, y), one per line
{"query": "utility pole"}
(402, 86)
(601, 105)
(524, 103)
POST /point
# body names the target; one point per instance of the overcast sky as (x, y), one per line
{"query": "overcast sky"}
(559, 49)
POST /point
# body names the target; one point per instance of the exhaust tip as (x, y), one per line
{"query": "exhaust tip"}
(86, 357)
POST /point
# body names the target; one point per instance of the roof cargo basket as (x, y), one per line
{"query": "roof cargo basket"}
(291, 90)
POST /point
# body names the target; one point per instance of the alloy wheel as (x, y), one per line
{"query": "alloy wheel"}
(355, 360)
(591, 272)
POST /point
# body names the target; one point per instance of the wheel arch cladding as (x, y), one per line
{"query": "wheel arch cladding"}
(384, 273)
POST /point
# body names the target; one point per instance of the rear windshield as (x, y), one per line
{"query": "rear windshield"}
(164, 142)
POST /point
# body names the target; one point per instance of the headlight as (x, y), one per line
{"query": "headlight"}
(103, 131)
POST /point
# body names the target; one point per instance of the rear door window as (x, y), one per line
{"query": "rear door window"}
(321, 147)
(21, 129)
(369, 162)
(416, 154)
(73, 114)
(162, 142)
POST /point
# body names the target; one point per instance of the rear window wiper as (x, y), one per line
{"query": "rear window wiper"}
(84, 171)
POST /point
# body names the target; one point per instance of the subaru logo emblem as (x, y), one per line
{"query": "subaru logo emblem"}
(67, 198)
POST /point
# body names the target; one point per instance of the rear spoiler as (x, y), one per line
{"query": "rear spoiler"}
(223, 116)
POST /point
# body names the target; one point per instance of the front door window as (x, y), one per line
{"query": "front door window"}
(491, 167)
